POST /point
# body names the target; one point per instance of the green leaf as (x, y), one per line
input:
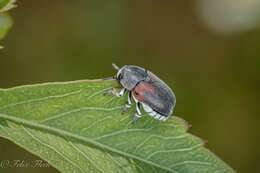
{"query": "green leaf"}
(75, 128)
(6, 23)
(6, 5)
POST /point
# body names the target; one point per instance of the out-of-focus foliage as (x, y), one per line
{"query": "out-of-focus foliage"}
(6, 21)
(215, 77)
(6, 5)
(5, 24)
(230, 16)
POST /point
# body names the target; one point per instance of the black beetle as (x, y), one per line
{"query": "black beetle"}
(157, 99)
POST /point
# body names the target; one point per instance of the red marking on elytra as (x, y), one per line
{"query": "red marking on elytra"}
(141, 88)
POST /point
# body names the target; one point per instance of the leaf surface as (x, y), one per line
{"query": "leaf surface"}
(75, 128)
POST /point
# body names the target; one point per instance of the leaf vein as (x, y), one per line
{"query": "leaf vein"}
(190, 162)
(157, 136)
(40, 99)
(79, 110)
(95, 122)
(47, 145)
(82, 153)
(173, 151)
(122, 132)
(116, 162)
(98, 92)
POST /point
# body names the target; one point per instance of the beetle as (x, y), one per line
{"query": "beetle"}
(156, 97)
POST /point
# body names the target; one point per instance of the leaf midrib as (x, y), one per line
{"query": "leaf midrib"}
(82, 138)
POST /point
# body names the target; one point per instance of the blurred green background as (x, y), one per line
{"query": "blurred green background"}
(207, 52)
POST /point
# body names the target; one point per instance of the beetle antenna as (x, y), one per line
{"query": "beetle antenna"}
(115, 66)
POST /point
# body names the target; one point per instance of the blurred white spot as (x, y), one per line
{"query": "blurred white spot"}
(229, 16)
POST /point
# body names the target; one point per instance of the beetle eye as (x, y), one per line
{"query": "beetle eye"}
(119, 76)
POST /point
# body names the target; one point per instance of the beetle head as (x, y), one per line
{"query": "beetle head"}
(129, 76)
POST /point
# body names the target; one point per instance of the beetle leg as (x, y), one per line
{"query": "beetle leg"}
(129, 104)
(138, 108)
(113, 91)
(136, 117)
(122, 92)
(138, 114)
